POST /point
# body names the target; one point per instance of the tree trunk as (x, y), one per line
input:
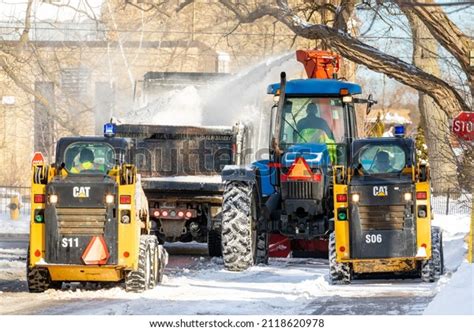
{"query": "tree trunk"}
(434, 121)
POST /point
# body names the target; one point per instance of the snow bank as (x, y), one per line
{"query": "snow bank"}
(457, 297)
(19, 226)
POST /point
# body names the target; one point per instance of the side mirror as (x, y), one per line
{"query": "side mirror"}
(370, 103)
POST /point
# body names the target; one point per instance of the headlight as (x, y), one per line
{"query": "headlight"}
(109, 198)
(407, 196)
(53, 198)
(347, 99)
(355, 197)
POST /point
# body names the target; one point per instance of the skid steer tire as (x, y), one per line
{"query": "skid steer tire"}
(262, 248)
(339, 273)
(214, 243)
(139, 280)
(38, 279)
(155, 261)
(432, 269)
(239, 233)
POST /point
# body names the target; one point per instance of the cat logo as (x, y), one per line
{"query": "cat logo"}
(81, 191)
(380, 191)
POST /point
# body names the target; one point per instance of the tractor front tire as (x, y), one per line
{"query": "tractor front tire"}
(139, 280)
(339, 273)
(239, 226)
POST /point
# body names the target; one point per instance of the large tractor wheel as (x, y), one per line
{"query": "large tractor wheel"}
(239, 226)
(339, 273)
(432, 269)
(214, 243)
(139, 280)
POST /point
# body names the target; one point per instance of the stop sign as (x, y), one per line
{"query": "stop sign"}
(38, 158)
(463, 125)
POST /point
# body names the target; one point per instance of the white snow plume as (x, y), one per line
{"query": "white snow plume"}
(176, 107)
(239, 98)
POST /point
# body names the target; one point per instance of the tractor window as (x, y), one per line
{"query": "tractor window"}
(312, 120)
(89, 158)
(381, 159)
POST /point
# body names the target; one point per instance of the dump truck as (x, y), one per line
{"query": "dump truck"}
(383, 213)
(289, 195)
(180, 168)
(90, 219)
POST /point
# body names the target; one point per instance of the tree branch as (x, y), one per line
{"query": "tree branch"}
(442, 29)
(353, 49)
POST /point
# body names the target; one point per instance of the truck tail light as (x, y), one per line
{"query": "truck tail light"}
(39, 198)
(421, 195)
(125, 199)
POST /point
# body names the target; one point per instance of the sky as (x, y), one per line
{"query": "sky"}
(44, 11)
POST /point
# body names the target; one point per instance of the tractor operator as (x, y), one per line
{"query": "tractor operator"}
(315, 129)
(86, 159)
(382, 163)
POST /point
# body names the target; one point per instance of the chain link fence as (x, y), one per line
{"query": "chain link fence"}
(451, 203)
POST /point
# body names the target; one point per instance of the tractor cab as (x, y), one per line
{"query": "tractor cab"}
(313, 123)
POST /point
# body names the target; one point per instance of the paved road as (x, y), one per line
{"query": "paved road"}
(191, 261)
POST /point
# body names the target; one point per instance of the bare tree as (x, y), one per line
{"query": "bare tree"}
(447, 98)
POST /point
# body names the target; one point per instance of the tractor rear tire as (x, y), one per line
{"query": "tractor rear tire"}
(214, 243)
(339, 273)
(139, 280)
(432, 269)
(239, 226)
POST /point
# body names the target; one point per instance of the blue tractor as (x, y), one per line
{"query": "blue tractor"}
(313, 123)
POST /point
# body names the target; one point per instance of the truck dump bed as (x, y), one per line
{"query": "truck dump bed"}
(182, 161)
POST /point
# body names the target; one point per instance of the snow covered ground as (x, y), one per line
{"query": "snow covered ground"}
(19, 226)
(197, 284)
(457, 296)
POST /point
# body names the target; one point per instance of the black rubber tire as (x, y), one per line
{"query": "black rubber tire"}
(239, 233)
(38, 279)
(214, 243)
(437, 252)
(163, 255)
(339, 273)
(262, 247)
(139, 280)
(432, 269)
(155, 262)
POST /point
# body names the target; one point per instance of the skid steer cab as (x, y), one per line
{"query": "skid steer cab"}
(89, 219)
(383, 214)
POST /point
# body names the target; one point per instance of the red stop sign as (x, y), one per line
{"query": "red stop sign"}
(38, 158)
(463, 125)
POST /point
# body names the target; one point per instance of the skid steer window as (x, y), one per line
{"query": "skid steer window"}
(381, 159)
(89, 158)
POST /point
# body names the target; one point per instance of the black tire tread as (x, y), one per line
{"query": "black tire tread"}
(236, 226)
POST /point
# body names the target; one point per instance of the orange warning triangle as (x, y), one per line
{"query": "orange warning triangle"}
(96, 252)
(300, 170)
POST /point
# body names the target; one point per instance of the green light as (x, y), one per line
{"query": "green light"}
(342, 216)
(39, 218)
